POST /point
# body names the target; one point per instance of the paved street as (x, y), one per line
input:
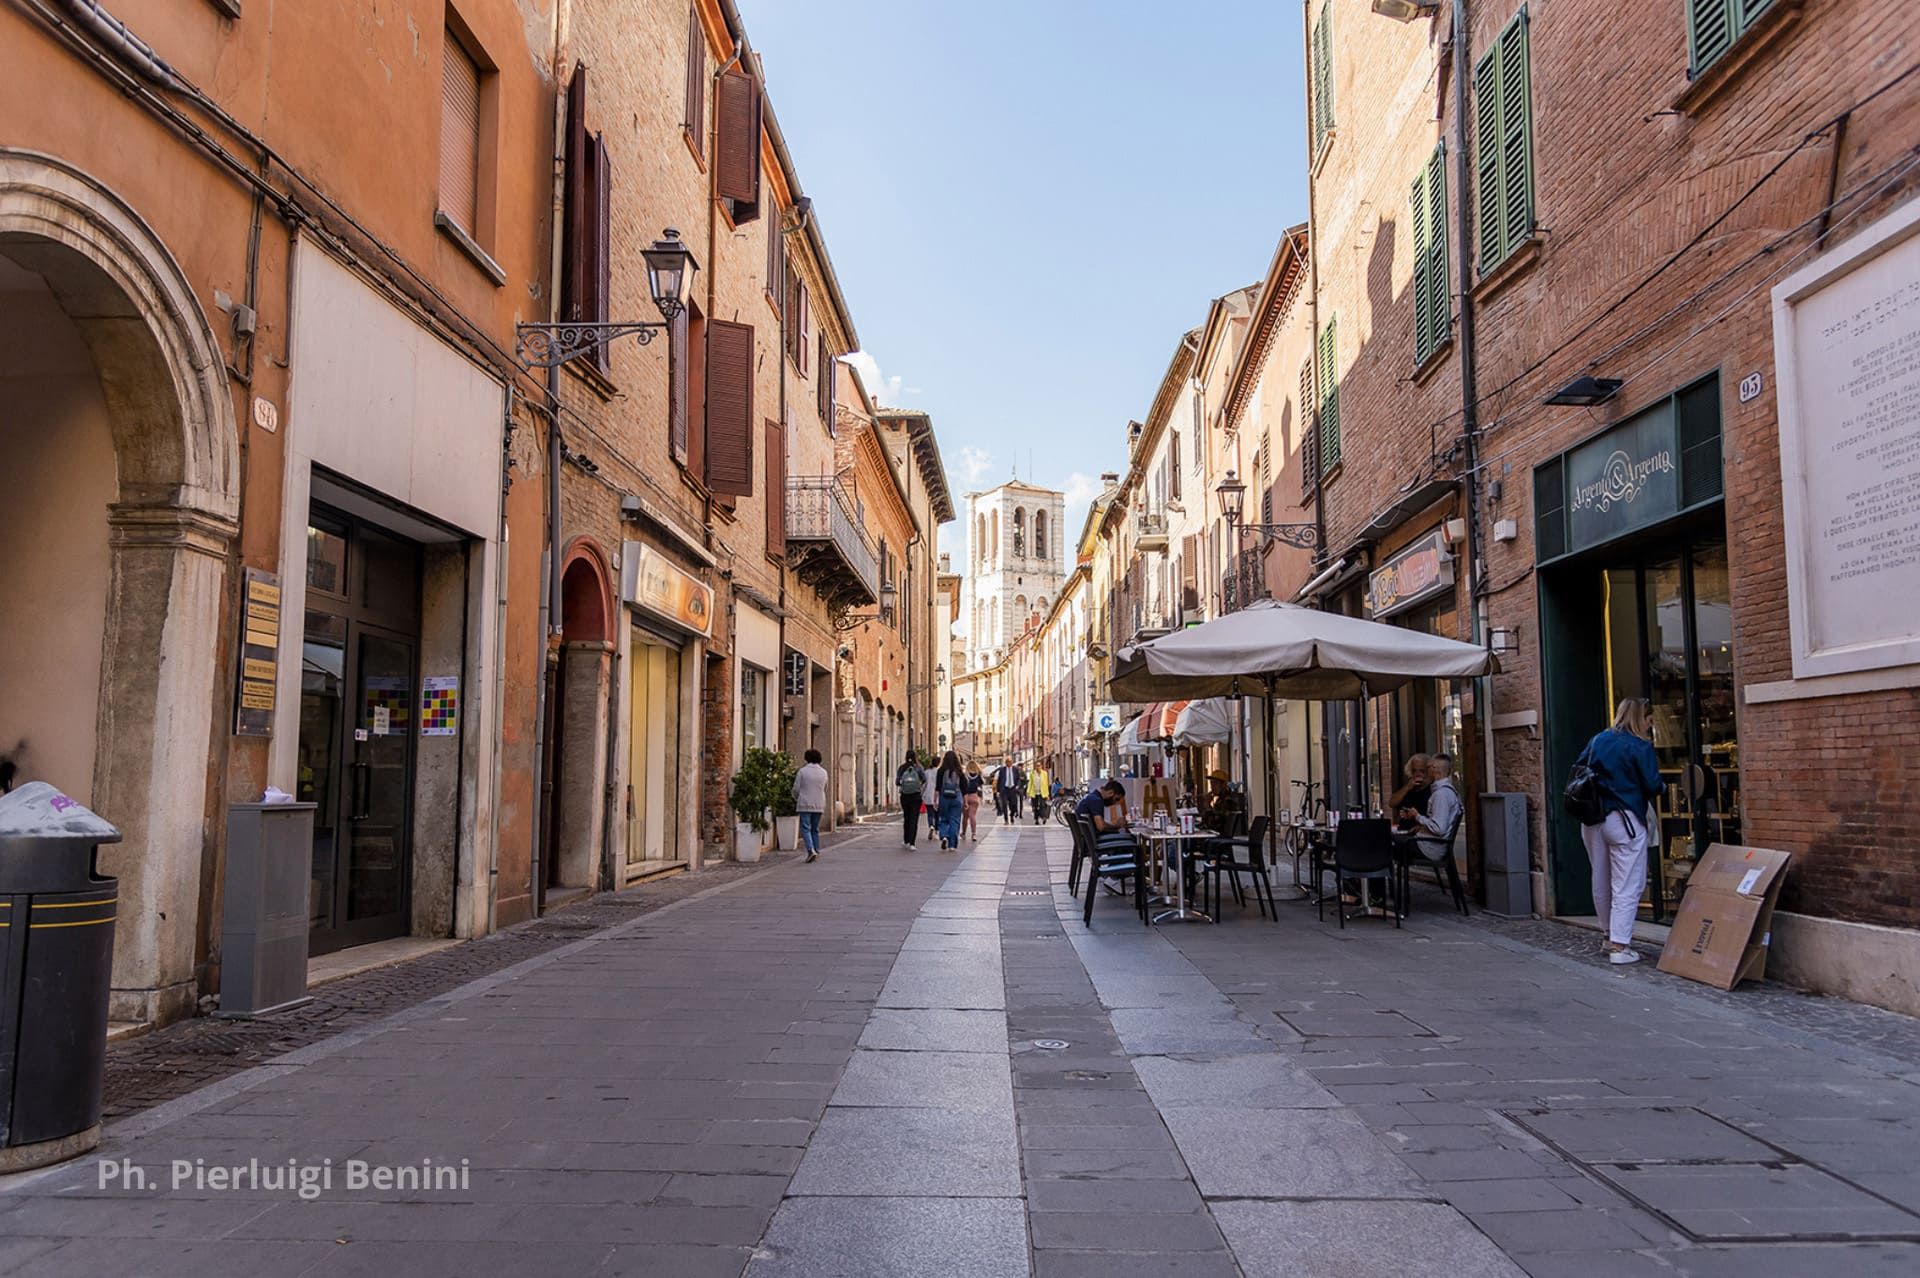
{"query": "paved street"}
(914, 1063)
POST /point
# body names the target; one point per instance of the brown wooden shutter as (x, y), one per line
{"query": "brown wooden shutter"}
(730, 408)
(459, 133)
(776, 489)
(696, 392)
(802, 342)
(677, 386)
(737, 158)
(823, 392)
(574, 233)
(600, 279)
(776, 261)
(696, 105)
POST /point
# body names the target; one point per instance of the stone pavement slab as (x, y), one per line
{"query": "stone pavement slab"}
(1359, 1240)
(894, 1238)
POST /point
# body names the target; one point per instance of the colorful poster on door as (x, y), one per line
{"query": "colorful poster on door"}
(389, 701)
(440, 706)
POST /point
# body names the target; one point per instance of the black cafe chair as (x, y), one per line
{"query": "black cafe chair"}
(1243, 854)
(1110, 857)
(1363, 852)
(1446, 874)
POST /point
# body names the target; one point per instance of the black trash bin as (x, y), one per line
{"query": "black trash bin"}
(56, 961)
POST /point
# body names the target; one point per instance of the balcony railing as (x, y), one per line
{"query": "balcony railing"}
(1245, 582)
(826, 545)
(1150, 531)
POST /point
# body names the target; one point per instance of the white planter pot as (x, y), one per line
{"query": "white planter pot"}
(746, 842)
(786, 831)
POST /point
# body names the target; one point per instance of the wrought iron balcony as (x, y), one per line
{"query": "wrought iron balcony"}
(1245, 582)
(826, 546)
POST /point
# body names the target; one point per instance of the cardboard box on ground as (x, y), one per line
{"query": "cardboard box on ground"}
(1721, 933)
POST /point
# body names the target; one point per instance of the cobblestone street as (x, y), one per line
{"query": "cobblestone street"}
(895, 1063)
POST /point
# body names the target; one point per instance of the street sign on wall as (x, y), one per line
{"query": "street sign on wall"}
(1106, 718)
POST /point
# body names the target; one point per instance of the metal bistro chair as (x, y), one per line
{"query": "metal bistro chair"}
(1363, 852)
(1243, 854)
(1446, 874)
(1112, 859)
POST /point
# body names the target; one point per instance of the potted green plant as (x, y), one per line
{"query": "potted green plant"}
(786, 812)
(763, 777)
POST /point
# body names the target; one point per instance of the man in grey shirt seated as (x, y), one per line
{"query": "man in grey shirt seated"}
(1432, 831)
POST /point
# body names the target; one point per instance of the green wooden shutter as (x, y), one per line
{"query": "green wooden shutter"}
(1309, 429)
(1503, 141)
(1486, 150)
(1432, 304)
(1516, 134)
(1423, 341)
(1322, 76)
(1439, 295)
(1329, 399)
(1713, 26)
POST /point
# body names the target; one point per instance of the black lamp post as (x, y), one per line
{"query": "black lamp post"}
(1233, 500)
(670, 271)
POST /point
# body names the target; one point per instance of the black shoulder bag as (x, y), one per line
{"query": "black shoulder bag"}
(1583, 798)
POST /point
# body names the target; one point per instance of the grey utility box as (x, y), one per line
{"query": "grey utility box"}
(56, 964)
(263, 947)
(1509, 863)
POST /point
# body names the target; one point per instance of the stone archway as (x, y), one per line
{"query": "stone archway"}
(582, 704)
(170, 525)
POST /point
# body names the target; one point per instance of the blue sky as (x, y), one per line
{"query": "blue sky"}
(1028, 201)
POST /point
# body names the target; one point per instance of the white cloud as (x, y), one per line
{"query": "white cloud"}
(1080, 490)
(975, 463)
(883, 390)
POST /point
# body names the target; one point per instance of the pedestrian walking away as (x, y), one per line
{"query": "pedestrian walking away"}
(1627, 772)
(949, 788)
(910, 781)
(1006, 791)
(810, 801)
(970, 803)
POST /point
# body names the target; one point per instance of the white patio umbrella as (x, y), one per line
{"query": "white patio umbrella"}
(1204, 722)
(1285, 650)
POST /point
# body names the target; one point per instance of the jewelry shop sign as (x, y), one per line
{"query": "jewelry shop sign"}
(1415, 575)
(1625, 480)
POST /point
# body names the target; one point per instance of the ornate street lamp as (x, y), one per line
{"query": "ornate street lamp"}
(1233, 498)
(670, 271)
(853, 620)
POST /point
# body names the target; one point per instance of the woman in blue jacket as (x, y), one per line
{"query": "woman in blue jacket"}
(1623, 760)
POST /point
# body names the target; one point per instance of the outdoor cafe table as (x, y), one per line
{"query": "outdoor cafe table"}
(1181, 912)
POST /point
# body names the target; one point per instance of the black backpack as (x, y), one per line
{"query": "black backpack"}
(1584, 798)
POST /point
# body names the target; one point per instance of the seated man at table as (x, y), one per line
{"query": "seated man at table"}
(1432, 830)
(1413, 792)
(1222, 804)
(1105, 811)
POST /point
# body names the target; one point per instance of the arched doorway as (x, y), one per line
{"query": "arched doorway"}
(125, 482)
(580, 705)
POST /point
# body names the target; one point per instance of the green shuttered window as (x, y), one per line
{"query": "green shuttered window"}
(1432, 303)
(1329, 399)
(1713, 26)
(1503, 143)
(1322, 76)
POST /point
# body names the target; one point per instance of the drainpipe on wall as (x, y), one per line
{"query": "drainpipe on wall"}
(1313, 417)
(1469, 388)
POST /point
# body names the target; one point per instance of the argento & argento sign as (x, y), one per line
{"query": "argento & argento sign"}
(1623, 478)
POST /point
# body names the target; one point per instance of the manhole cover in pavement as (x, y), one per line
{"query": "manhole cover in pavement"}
(1052, 1044)
(1085, 1075)
(1028, 891)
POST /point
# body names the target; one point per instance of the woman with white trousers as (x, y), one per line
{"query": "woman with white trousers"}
(1623, 761)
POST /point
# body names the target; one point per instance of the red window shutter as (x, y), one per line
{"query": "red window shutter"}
(776, 489)
(574, 233)
(730, 408)
(737, 158)
(696, 106)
